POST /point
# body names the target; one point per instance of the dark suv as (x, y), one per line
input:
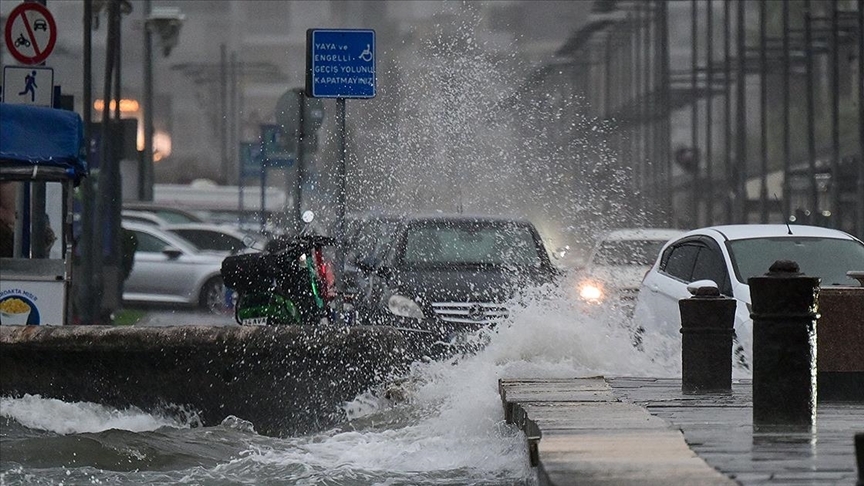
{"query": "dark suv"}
(446, 274)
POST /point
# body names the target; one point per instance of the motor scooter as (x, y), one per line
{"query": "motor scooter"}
(287, 283)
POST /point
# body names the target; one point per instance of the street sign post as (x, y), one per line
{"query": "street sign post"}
(28, 85)
(30, 33)
(340, 63)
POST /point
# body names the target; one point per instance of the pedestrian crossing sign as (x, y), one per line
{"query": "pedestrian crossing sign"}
(28, 85)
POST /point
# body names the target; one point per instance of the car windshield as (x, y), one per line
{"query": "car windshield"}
(372, 235)
(474, 243)
(627, 252)
(826, 258)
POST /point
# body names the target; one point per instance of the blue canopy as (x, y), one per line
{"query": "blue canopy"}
(44, 137)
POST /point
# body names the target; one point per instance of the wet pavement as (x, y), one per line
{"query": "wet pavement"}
(627, 430)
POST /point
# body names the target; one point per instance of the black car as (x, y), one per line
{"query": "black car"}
(446, 274)
(367, 238)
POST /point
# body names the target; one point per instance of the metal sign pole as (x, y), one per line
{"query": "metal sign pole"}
(341, 202)
(300, 160)
(263, 203)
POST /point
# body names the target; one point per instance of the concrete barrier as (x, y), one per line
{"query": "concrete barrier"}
(840, 339)
(285, 380)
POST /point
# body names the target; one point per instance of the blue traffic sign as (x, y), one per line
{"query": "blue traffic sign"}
(273, 145)
(340, 63)
(251, 159)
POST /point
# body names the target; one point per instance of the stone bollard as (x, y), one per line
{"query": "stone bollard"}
(859, 457)
(784, 305)
(707, 321)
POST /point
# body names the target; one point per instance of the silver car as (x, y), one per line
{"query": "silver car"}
(171, 270)
(617, 265)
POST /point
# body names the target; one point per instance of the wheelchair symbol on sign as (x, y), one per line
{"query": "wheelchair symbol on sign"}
(366, 55)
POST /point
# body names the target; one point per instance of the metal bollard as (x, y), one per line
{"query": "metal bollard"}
(784, 313)
(707, 321)
(859, 457)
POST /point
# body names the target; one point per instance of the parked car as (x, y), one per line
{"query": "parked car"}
(616, 266)
(142, 217)
(168, 214)
(445, 274)
(218, 238)
(728, 256)
(168, 269)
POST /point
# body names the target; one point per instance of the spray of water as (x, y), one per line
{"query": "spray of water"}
(63, 418)
(461, 133)
(462, 124)
(455, 128)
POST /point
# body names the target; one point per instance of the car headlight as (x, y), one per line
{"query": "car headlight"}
(403, 306)
(591, 292)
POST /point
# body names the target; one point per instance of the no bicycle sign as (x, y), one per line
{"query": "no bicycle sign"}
(30, 33)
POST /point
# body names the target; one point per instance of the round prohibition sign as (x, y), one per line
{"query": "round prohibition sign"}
(23, 38)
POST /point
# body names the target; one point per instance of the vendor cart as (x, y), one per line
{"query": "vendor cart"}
(40, 164)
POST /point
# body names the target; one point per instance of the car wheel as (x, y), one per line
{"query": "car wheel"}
(212, 295)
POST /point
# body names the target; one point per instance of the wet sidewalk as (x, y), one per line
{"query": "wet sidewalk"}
(645, 431)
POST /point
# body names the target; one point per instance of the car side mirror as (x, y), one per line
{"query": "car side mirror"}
(172, 252)
(695, 287)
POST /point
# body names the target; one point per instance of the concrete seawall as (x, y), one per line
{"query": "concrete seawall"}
(285, 380)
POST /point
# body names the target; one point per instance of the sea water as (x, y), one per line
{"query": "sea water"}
(441, 423)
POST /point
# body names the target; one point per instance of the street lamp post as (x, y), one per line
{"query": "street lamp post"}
(145, 188)
(166, 22)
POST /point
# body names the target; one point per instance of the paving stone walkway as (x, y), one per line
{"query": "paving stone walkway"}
(646, 431)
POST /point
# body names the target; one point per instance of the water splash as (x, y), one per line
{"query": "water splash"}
(64, 418)
(464, 122)
(459, 124)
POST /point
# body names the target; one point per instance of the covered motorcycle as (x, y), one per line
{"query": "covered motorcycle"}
(288, 283)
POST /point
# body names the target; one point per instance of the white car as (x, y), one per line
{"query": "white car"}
(142, 217)
(729, 256)
(617, 264)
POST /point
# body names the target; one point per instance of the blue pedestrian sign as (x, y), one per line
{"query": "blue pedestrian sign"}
(28, 85)
(340, 63)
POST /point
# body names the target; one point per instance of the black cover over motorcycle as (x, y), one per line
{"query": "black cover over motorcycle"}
(278, 270)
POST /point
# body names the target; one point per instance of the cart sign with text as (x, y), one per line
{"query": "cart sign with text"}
(31, 302)
(30, 33)
(340, 63)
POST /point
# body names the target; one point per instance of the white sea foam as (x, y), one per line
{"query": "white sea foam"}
(60, 417)
(458, 420)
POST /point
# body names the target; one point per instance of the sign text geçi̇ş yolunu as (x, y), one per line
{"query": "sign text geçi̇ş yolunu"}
(341, 63)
